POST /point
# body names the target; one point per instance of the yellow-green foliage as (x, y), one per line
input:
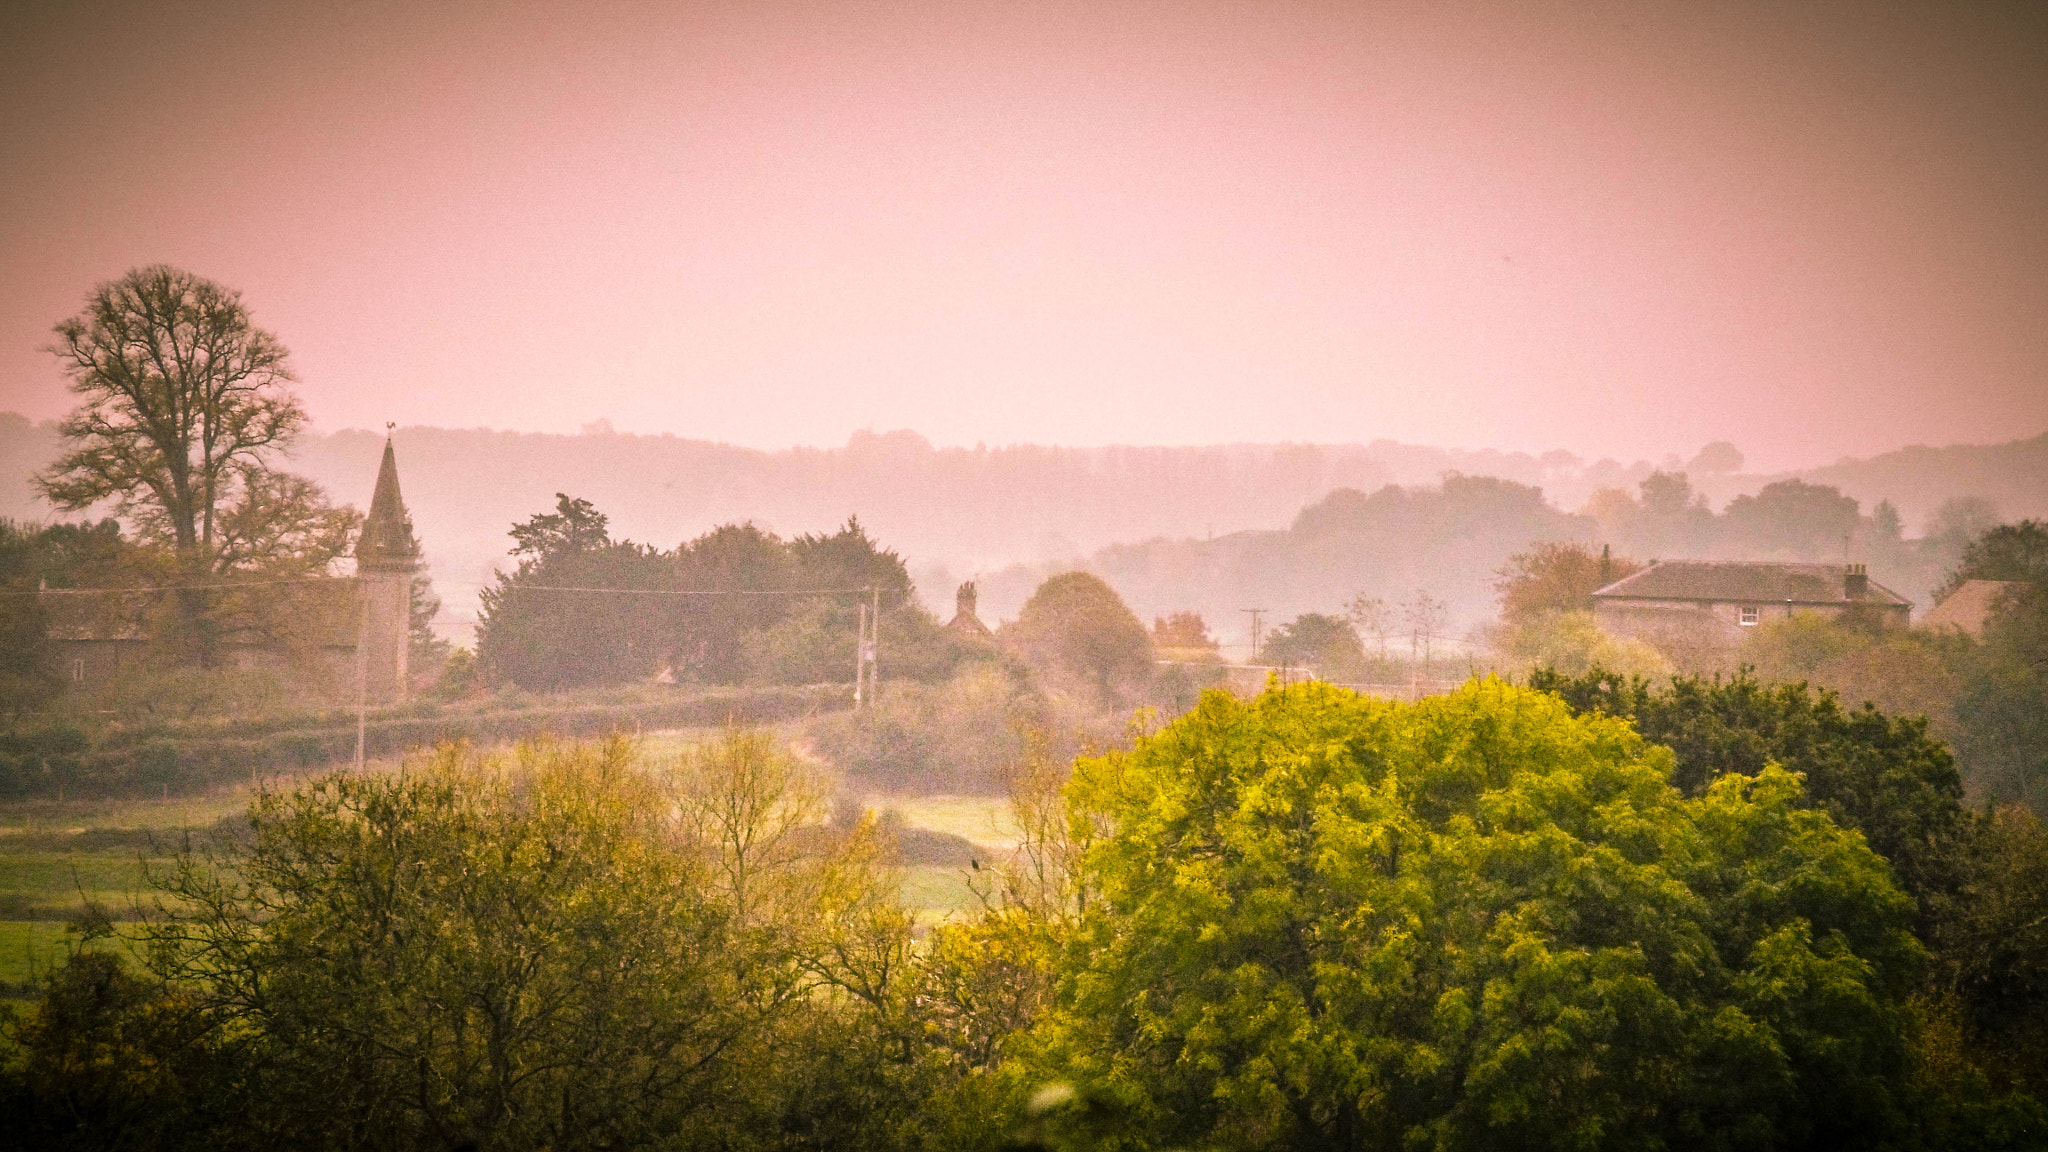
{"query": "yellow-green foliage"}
(567, 947)
(1323, 920)
(1573, 643)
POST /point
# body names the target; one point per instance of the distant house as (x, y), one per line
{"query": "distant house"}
(1716, 600)
(965, 624)
(323, 636)
(1968, 607)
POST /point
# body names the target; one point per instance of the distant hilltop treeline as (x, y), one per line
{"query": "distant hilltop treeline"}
(982, 509)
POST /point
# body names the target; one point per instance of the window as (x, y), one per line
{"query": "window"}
(1749, 613)
(78, 671)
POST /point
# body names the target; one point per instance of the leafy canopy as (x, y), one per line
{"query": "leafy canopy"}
(1554, 578)
(2017, 552)
(1320, 920)
(1883, 776)
(1075, 623)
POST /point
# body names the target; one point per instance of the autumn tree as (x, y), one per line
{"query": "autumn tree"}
(1555, 578)
(1185, 631)
(186, 406)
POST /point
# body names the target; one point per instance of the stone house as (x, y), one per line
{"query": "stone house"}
(1715, 601)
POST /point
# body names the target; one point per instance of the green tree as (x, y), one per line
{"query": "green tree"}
(540, 629)
(1326, 643)
(109, 1059)
(2016, 552)
(546, 627)
(574, 526)
(1077, 625)
(562, 951)
(1992, 954)
(186, 406)
(1792, 517)
(1884, 776)
(1324, 921)
(2001, 706)
(1574, 643)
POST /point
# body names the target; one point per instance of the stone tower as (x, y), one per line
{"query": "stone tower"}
(386, 556)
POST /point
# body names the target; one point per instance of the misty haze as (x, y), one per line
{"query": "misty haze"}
(1048, 575)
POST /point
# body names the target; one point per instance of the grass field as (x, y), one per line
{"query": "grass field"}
(985, 820)
(29, 948)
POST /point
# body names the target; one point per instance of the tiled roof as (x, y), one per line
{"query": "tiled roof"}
(1969, 606)
(1744, 581)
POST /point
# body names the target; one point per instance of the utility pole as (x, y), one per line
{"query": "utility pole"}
(866, 677)
(1255, 614)
(860, 656)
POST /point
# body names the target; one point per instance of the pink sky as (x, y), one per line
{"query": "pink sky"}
(1814, 229)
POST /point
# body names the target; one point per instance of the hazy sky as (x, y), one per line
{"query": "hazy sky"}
(1814, 229)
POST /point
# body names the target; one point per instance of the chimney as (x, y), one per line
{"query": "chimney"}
(963, 600)
(1855, 582)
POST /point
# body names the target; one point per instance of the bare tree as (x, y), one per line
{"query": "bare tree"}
(1373, 617)
(185, 404)
(1425, 616)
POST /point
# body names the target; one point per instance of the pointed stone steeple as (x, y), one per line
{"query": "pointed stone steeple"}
(386, 543)
(386, 557)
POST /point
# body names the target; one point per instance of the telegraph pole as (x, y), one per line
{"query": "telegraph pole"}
(1255, 614)
(860, 656)
(866, 677)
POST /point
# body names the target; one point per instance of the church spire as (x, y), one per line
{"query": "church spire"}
(386, 543)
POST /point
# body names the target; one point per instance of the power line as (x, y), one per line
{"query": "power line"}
(864, 590)
(692, 592)
(170, 587)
